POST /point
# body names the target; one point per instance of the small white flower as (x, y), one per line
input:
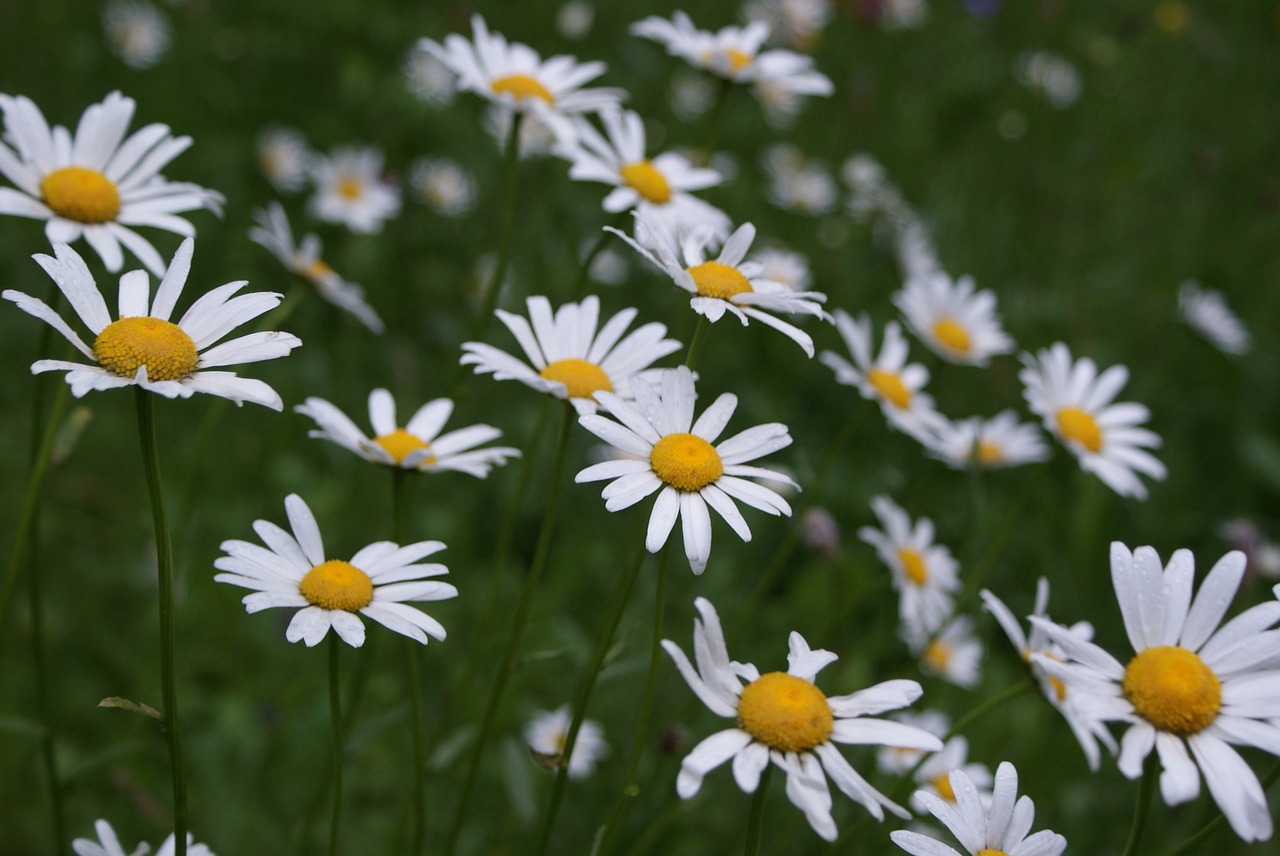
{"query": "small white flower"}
(955, 654)
(443, 185)
(691, 95)
(785, 266)
(934, 775)
(428, 77)
(1207, 313)
(899, 760)
(284, 158)
(547, 732)
(137, 31)
(1049, 74)
(797, 183)
(957, 323)
(108, 844)
(1001, 441)
(916, 255)
(350, 189)
(575, 19)
(795, 23)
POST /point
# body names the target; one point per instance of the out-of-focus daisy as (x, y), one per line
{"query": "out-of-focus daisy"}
(273, 232)
(1001, 441)
(899, 760)
(96, 184)
(444, 186)
(108, 844)
(924, 573)
(888, 379)
(957, 323)
(416, 445)
(350, 189)
(916, 255)
(797, 24)
(284, 158)
(428, 77)
(608, 267)
(143, 347)
(1088, 731)
(292, 571)
(568, 358)
(690, 94)
(137, 31)
(1075, 402)
(797, 183)
(903, 14)
(1207, 313)
(785, 266)
(954, 655)
(783, 718)
(575, 19)
(1000, 829)
(547, 732)
(1192, 688)
(676, 459)
(1049, 74)
(728, 283)
(934, 775)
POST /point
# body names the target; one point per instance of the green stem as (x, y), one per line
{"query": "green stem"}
(413, 668)
(44, 705)
(335, 720)
(755, 821)
(584, 273)
(1009, 694)
(978, 578)
(716, 119)
(518, 621)
(1146, 788)
(511, 160)
(1192, 844)
(695, 346)
(164, 564)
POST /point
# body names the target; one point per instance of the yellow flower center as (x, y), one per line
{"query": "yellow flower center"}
(399, 443)
(713, 279)
(1079, 425)
(336, 584)
(890, 387)
(583, 379)
(521, 87)
(913, 566)
(350, 188)
(942, 784)
(952, 335)
(989, 454)
(937, 655)
(991, 851)
(785, 713)
(1173, 689)
(738, 60)
(1172, 17)
(686, 461)
(315, 269)
(83, 195)
(645, 179)
(163, 347)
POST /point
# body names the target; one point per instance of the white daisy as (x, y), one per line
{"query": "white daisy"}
(1001, 441)
(569, 358)
(547, 732)
(428, 77)
(675, 457)
(143, 347)
(888, 379)
(934, 775)
(954, 655)
(137, 31)
(538, 135)
(728, 283)
(284, 158)
(1207, 313)
(96, 184)
(575, 18)
(273, 232)
(783, 718)
(917, 256)
(900, 760)
(795, 23)
(418, 444)
(785, 266)
(108, 844)
(350, 189)
(957, 324)
(443, 185)
(1074, 401)
(1049, 74)
(797, 183)
(924, 573)
(292, 571)
(690, 94)
(1088, 731)
(1000, 829)
(1192, 688)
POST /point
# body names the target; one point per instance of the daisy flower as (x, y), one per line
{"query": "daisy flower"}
(957, 324)
(143, 347)
(444, 186)
(284, 158)
(350, 189)
(1075, 402)
(108, 844)
(568, 358)
(547, 732)
(304, 259)
(428, 77)
(1088, 731)
(674, 457)
(417, 445)
(888, 379)
(796, 23)
(796, 183)
(924, 573)
(728, 283)
(1192, 688)
(1207, 313)
(1000, 829)
(137, 32)
(1049, 74)
(783, 718)
(995, 443)
(954, 655)
(785, 266)
(96, 184)
(900, 760)
(292, 571)
(934, 775)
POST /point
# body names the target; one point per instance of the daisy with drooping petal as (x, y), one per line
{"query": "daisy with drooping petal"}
(418, 444)
(995, 443)
(108, 844)
(900, 760)
(934, 775)
(957, 323)
(284, 158)
(954, 655)
(570, 360)
(273, 232)
(675, 458)
(1089, 731)
(728, 283)
(547, 733)
(1075, 402)
(1192, 688)
(350, 189)
(783, 718)
(1000, 830)
(143, 347)
(1207, 313)
(292, 571)
(96, 184)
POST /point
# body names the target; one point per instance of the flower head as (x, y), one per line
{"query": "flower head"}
(284, 158)
(1207, 313)
(1049, 74)
(547, 732)
(443, 185)
(954, 655)
(934, 775)
(995, 443)
(137, 31)
(956, 323)
(108, 844)
(350, 189)
(899, 760)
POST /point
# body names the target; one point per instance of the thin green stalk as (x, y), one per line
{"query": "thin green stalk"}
(413, 666)
(584, 272)
(978, 577)
(518, 621)
(1192, 844)
(43, 702)
(998, 700)
(695, 346)
(335, 720)
(164, 564)
(755, 821)
(716, 119)
(1146, 788)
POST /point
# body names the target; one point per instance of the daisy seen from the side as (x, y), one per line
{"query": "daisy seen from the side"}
(783, 718)
(108, 844)
(954, 320)
(954, 654)
(934, 774)
(546, 734)
(351, 190)
(1206, 312)
(996, 443)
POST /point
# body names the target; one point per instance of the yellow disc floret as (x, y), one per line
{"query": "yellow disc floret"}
(686, 461)
(990, 454)
(521, 87)
(336, 584)
(399, 443)
(83, 195)
(952, 335)
(890, 387)
(1080, 426)
(913, 566)
(164, 348)
(738, 60)
(583, 379)
(645, 179)
(937, 656)
(1173, 689)
(942, 784)
(785, 713)
(713, 279)
(990, 851)
(350, 188)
